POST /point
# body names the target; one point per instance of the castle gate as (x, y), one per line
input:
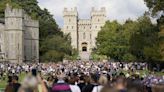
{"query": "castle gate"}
(84, 47)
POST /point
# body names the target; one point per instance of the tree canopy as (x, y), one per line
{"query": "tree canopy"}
(132, 41)
(155, 6)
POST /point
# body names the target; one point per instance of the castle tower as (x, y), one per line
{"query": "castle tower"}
(98, 19)
(14, 34)
(31, 39)
(83, 32)
(71, 25)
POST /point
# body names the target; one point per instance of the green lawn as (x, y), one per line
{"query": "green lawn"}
(3, 83)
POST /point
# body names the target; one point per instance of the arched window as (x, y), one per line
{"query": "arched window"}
(0, 49)
(84, 48)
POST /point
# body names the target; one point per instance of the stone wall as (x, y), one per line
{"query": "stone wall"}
(84, 31)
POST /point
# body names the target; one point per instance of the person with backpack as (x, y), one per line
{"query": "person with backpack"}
(103, 81)
(15, 83)
(61, 85)
(93, 83)
(81, 82)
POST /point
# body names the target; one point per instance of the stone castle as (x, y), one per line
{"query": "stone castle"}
(19, 37)
(83, 32)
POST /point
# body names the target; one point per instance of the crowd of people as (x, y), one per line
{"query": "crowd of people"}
(80, 77)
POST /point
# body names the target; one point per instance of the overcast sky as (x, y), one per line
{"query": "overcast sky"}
(116, 9)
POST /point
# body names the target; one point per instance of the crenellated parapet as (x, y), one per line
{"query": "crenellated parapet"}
(101, 12)
(71, 12)
(13, 12)
(84, 22)
(29, 22)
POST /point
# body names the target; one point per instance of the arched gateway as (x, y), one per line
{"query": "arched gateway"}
(84, 47)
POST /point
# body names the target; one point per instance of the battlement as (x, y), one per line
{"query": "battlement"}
(30, 22)
(101, 12)
(72, 9)
(102, 9)
(26, 17)
(84, 22)
(70, 12)
(12, 12)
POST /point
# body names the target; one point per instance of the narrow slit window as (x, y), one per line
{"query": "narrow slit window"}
(84, 36)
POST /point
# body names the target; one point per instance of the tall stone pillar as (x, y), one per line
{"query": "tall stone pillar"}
(14, 34)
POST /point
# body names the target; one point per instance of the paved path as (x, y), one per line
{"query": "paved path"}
(84, 56)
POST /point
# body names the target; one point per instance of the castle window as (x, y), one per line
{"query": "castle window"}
(84, 27)
(67, 27)
(84, 36)
(0, 49)
(69, 20)
(95, 26)
(11, 23)
(90, 36)
(72, 27)
(98, 20)
(34, 48)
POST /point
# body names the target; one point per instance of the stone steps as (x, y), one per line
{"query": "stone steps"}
(84, 56)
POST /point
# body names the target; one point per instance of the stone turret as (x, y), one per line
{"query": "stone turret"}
(70, 25)
(21, 36)
(98, 19)
(31, 38)
(14, 34)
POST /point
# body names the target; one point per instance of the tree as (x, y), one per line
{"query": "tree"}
(155, 6)
(144, 41)
(56, 48)
(156, 9)
(57, 44)
(132, 41)
(113, 40)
